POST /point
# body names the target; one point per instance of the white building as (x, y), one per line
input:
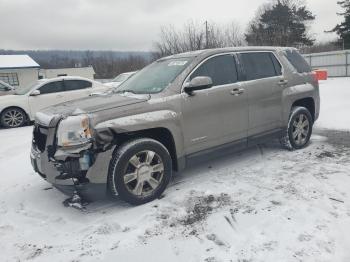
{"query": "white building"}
(18, 70)
(87, 72)
(21, 70)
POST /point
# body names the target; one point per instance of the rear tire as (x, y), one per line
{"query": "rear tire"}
(13, 117)
(299, 130)
(139, 171)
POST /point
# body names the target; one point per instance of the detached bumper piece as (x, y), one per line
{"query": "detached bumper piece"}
(76, 201)
(75, 169)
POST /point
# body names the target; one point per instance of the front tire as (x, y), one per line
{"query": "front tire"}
(13, 117)
(299, 130)
(139, 171)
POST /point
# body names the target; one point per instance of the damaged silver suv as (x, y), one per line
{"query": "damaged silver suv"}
(129, 142)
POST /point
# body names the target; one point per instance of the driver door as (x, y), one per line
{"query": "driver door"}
(50, 94)
(218, 115)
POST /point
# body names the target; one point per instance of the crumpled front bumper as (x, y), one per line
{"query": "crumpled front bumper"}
(93, 185)
(46, 169)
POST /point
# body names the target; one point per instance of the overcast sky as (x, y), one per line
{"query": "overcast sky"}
(126, 24)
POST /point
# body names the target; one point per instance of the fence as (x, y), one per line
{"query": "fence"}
(337, 63)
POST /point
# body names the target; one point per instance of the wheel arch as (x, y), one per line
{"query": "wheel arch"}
(308, 103)
(160, 134)
(18, 107)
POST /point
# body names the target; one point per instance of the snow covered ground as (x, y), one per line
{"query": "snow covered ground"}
(263, 204)
(335, 104)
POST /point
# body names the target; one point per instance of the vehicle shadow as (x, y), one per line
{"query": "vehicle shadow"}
(194, 170)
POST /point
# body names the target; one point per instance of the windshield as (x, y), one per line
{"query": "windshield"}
(25, 90)
(121, 77)
(155, 77)
(3, 87)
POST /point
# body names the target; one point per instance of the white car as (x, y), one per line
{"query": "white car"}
(6, 89)
(120, 79)
(19, 108)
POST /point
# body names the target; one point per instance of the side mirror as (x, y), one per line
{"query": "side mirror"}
(198, 83)
(35, 93)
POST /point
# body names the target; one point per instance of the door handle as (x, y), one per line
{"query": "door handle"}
(283, 82)
(237, 91)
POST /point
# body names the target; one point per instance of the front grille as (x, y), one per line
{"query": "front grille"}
(40, 137)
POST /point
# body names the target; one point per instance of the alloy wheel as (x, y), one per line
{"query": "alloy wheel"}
(13, 118)
(301, 128)
(144, 173)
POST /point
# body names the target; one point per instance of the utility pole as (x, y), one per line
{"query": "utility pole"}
(206, 34)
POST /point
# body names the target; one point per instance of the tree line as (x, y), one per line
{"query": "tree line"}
(107, 64)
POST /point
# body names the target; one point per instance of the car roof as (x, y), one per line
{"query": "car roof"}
(128, 73)
(43, 81)
(65, 78)
(208, 52)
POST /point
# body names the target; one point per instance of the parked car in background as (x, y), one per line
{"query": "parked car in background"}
(6, 89)
(120, 79)
(21, 106)
(176, 109)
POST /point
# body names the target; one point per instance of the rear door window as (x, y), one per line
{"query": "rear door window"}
(221, 69)
(298, 62)
(260, 65)
(71, 85)
(53, 87)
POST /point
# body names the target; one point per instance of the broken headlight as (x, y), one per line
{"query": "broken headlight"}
(73, 131)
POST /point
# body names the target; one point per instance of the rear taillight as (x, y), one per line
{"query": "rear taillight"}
(319, 74)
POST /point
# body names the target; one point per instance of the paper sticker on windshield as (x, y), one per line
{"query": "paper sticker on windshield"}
(177, 63)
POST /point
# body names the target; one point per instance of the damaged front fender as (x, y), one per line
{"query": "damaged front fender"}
(106, 132)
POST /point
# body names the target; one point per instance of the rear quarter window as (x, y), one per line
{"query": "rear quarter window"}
(297, 61)
(71, 85)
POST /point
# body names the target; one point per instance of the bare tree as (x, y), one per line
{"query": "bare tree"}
(234, 35)
(195, 36)
(107, 66)
(88, 57)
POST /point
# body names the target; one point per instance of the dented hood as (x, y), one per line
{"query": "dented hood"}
(89, 105)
